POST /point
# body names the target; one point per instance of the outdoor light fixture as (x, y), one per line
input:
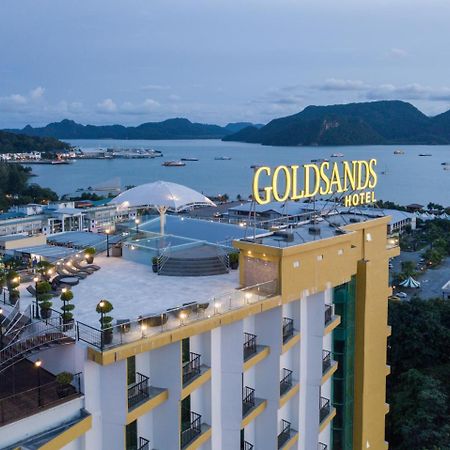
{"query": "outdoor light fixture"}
(216, 307)
(143, 328)
(101, 304)
(107, 242)
(248, 296)
(182, 317)
(38, 364)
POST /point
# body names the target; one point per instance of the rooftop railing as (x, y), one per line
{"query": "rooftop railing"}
(324, 408)
(285, 433)
(286, 381)
(191, 430)
(191, 368)
(174, 318)
(138, 391)
(288, 329)
(249, 345)
(32, 401)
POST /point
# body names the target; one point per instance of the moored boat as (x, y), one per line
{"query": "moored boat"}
(189, 159)
(173, 163)
(337, 155)
(222, 158)
(399, 152)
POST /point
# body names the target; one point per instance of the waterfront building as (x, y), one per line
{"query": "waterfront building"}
(287, 352)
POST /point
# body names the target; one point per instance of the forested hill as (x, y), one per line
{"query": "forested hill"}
(168, 129)
(18, 143)
(373, 123)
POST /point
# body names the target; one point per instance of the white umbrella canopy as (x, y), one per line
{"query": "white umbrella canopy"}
(410, 282)
(162, 195)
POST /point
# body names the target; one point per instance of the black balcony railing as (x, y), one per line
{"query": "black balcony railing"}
(288, 329)
(285, 434)
(328, 314)
(248, 400)
(322, 446)
(286, 381)
(191, 430)
(324, 408)
(246, 445)
(138, 392)
(144, 444)
(249, 345)
(32, 401)
(326, 361)
(191, 368)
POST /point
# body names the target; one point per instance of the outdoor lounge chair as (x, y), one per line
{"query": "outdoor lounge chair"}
(154, 321)
(54, 292)
(64, 280)
(91, 267)
(66, 273)
(76, 272)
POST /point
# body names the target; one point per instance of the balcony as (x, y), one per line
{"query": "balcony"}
(288, 329)
(329, 313)
(144, 444)
(248, 400)
(44, 395)
(191, 368)
(138, 392)
(287, 433)
(324, 409)
(192, 430)
(246, 446)
(286, 381)
(249, 345)
(326, 361)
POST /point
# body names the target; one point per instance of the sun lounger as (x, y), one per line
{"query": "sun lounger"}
(80, 266)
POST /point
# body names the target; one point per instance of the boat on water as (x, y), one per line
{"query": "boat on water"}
(447, 168)
(445, 164)
(337, 155)
(318, 160)
(399, 152)
(425, 154)
(222, 158)
(58, 162)
(189, 159)
(173, 163)
(255, 166)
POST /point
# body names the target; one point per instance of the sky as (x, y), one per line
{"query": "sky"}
(216, 61)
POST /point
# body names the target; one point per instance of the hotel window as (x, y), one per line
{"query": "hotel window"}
(340, 252)
(319, 257)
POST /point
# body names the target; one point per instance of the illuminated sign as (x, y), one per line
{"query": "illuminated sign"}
(356, 178)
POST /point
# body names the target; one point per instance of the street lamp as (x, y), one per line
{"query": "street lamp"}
(101, 305)
(1, 329)
(38, 364)
(137, 225)
(36, 312)
(107, 242)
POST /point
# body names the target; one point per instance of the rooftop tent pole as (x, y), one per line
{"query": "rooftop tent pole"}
(162, 217)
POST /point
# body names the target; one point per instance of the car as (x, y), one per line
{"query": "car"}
(391, 266)
(401, 295)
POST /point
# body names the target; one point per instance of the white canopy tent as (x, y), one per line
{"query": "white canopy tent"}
(162, 195)
(410, 282)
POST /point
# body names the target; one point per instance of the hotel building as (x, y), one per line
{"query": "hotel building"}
(287, 352)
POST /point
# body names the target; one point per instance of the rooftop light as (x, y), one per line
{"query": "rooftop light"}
(38, 363)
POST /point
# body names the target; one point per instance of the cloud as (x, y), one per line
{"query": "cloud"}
(386, 91)
(398, 53)
(13, 103)
(335, 84)
(174, 97)
(155, 87)
(37, 93)
(147, 106)
(107, 106)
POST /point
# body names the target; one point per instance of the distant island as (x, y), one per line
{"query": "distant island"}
(168, 129)
(372, 123)
(19, 143)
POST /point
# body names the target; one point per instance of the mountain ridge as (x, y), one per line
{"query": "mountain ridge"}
(175, 128)
(365, 123)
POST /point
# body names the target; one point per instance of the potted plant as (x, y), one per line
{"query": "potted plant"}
(89, 254)
(64, 380)
(45, 269)
(103, 308)
(234, 260)
(43, 295)
(67, 315)
(155, 264)
(13, 282)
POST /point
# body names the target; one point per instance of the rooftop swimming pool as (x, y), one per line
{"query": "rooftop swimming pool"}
(203, 230)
